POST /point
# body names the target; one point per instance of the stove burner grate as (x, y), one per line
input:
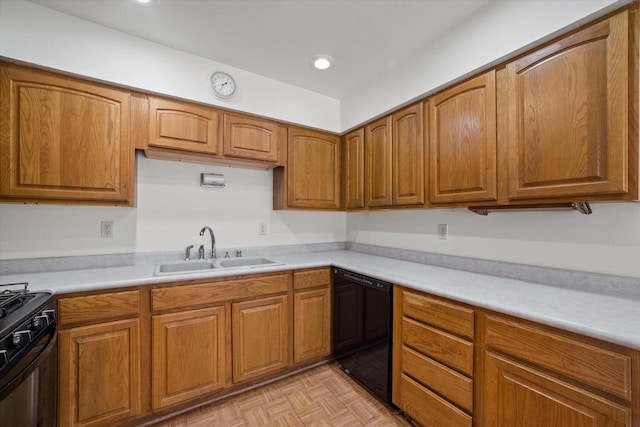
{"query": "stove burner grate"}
(12, 299)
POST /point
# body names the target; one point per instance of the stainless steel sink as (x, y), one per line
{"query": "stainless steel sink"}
(201, 266)
(183, 267)
(246, 262)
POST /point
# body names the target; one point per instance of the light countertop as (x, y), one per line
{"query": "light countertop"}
(609, 318)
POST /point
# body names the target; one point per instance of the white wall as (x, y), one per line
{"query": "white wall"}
(171, 207)
(607, 241)
(38, 35)
(171, 210)
(497, 30)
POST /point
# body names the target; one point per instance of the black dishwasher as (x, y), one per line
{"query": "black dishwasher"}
(362, 329)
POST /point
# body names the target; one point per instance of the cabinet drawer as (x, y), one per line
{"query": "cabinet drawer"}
(450, 384)
(311, 278)
(97, 308)
(451, 318)
(595, 366)
(429, 409)
(204, 294)
(448, 349)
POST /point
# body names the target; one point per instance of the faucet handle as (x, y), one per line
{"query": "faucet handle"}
(201, 252)
(187, 255)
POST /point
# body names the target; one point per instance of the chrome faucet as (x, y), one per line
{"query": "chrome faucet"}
(213, 240)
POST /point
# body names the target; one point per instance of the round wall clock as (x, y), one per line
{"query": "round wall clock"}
(222, 85)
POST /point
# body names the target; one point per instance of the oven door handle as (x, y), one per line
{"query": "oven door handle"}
(18, 377)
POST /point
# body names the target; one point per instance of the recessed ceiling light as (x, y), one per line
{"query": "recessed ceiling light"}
(322, 62)
(143, 1)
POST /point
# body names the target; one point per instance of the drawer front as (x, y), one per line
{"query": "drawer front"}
(601, 368)
(205, 294)
(444, 381)
(429, 409)
(311, 278)
(97, 308)
(450, 350)
(449, 317)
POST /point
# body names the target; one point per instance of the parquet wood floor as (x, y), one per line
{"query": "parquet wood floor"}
(323, 396)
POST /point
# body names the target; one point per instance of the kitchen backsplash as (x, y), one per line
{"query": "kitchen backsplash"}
(618, 286)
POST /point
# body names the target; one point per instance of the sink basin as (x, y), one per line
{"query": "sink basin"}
(246, 262)
(201, 266)
(182, 267)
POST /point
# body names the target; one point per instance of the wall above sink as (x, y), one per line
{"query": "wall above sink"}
(171, 209)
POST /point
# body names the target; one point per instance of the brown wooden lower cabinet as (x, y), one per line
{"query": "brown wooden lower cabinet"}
(433, 359)
(506, 371)
(188, 355)
(131, 355)
(312, 325)
(99, 374)
(428, 408)
(260, 337)
(520, 396)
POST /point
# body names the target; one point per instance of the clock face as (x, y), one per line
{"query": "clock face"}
(223, 85)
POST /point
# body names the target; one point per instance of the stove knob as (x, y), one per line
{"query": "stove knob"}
(20, 338)
(39, 322)
(51, 315)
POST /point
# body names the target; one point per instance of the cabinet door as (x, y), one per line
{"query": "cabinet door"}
(314, 169)
(519, 396)
(377, 153)
(63, 139)
(188, 355)
(354, 169)
(250, 138)
(408, 157)
(99, 374)
(260, 337)
(568, 122)
(312, 325)
(183, 126)
(463, 142)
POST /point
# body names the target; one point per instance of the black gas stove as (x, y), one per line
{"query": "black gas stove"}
(25, 318)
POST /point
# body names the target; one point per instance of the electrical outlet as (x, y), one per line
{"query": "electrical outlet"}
(262, 228)
(443, 231)
(106, 229)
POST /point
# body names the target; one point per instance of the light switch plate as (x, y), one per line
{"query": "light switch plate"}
(443, 231)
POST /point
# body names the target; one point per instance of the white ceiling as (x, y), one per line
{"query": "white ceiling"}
(278, 38)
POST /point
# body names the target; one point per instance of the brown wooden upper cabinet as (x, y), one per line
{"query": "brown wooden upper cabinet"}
(378, 163)
(353, 170)
(312, 174)
(408, 157)
(63, 140)
(462, 142)
(394, 159)
(250, 138)
(184, 126)
(568, 115)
